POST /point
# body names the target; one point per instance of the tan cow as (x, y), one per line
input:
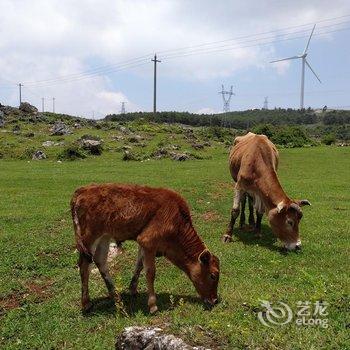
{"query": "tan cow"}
(253, 164)
(158, 219)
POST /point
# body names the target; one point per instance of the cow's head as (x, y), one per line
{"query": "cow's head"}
(284, 221)
(205, 276)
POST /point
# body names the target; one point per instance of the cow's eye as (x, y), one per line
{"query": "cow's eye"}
(213, 276)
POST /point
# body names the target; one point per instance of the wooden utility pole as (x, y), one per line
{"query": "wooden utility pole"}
(20, 93)
(53, 105)
(155, 85)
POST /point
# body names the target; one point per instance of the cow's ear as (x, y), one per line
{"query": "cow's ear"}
(303, 202)
(204, 257)
(280, 207)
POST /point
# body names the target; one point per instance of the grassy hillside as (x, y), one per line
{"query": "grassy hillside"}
(40, 285)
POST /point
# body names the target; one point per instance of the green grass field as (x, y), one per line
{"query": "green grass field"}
(40, 284)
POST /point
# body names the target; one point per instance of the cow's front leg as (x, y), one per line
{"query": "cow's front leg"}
(150, 269)
(234, 214)
(137, 271)
(258, 225)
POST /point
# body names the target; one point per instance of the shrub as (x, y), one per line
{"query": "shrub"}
(71, 152)
(328, 139)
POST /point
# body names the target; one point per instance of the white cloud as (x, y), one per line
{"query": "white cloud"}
(42, 39)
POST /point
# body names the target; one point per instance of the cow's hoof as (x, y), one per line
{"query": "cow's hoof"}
(86, 308)
(153, 309)
(226, 238)
(133, 292)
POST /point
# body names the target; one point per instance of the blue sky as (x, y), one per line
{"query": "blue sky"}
(58, 40)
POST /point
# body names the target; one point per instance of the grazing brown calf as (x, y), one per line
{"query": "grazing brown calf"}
(253, 165)
(158, 219)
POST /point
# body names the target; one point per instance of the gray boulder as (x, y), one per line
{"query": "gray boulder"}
(179, 156)
(2, 119)
(93, 146)
(59, 129)
(151, 338)
(39, 155)
(28, 108)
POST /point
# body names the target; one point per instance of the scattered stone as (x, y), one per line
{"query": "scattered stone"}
(117, 138)
(160, 153)
(48, 144)
(28, 108)
(174, 147)
(59, 129)
(39, 155)
(135, 138)
(197, 146)
(124, 130)
(93, 146)
(179, 156)
(16, 129)
(126, 148)
(151, 338)
(77, 126)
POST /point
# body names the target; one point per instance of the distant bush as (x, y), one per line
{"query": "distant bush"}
(328, 139)
(72, 152)
(287, 136)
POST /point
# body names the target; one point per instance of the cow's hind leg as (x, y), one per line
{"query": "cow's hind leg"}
(84, 267)
(242, 216)
(149, 261)
(100, 259)
(251, 219)
(138, 268)
(234, 214)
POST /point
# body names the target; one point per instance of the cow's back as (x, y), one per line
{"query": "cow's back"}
(250, 154)
(123, 211)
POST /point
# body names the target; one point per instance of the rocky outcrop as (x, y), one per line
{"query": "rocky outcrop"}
(2, 119)
(39, 155)
(59, 129)
(151, 338)
(26, 107)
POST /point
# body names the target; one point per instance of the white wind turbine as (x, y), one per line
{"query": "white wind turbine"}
(303, 62)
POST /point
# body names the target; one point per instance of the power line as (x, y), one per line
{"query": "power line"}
(257, 34)
(143, 59)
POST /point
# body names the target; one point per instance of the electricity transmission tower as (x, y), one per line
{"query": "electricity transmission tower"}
(266, 103)
(155, 85)
(123, 111)
(226, 97)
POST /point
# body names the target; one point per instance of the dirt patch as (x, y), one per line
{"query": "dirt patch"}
(35, 291)
(210, 216)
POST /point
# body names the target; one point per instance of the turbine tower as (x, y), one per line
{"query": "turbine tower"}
(226, 99)
(303, 63)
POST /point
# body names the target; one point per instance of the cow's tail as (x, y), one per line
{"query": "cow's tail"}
(82, 249)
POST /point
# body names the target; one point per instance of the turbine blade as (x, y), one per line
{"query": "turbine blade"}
(307, 63)
(285, 59)
(308, 42)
